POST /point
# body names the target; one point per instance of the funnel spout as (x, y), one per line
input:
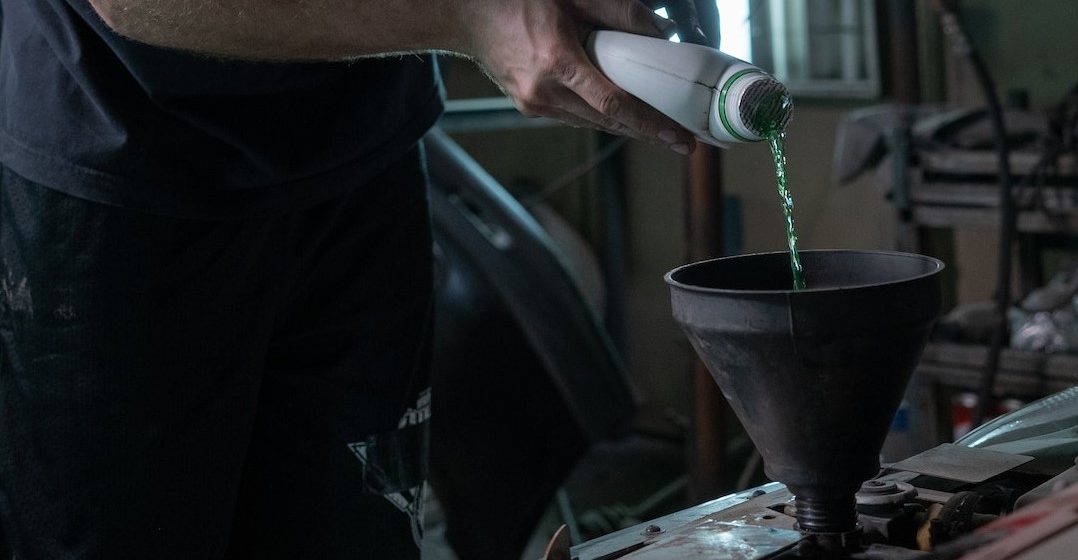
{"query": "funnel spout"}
(826, 515)
(815, 375)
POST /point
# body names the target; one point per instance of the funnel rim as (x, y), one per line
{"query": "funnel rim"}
(669, 276)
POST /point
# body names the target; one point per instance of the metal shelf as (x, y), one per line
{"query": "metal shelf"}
(985, 162)
(1021, 373)
(1025, 221)
(956, 188)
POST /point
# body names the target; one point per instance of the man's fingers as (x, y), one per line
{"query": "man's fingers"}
(625, 15)
(568, 107)
(576, 112)
(571, 104)
(615, 105)
(561, 103)
(574, 120)
(550, 75)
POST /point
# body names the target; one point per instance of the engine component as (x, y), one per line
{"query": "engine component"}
(887, 514)
(959, 516)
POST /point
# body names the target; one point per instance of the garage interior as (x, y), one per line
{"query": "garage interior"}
(891, 147)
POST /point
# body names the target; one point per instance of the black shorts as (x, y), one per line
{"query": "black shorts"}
(250, 388)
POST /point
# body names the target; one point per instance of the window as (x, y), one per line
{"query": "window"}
(816, 47)
(735, 28)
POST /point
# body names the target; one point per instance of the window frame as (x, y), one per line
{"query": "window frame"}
(769, 20)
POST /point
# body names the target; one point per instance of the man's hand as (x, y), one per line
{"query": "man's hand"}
(534, 51)
(532, 48)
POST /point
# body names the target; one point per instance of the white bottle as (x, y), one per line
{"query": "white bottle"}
(714, 95)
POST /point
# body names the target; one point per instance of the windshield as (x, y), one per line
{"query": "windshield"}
(1046, 429)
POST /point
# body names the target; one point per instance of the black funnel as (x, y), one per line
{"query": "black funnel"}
(814, 375)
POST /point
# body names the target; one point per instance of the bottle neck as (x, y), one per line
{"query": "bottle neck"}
(748, 104)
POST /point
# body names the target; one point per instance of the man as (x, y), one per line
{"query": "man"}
(215, 257)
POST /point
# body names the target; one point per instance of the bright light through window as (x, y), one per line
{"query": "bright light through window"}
(736, 37)
(734, 26)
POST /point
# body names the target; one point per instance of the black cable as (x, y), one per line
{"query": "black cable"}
(960, 40)
(1059, 139)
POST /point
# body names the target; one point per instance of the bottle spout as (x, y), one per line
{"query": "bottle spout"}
(766, 106)
(750, 105)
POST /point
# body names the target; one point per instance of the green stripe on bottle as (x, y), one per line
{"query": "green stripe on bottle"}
(722, 101)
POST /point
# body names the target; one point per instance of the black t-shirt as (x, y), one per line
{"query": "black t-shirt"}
(98, 116)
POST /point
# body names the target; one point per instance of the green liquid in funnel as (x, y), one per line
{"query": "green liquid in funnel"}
(770, 120)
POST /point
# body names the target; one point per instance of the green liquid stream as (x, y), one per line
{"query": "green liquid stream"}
(776, 138)
(770, 119)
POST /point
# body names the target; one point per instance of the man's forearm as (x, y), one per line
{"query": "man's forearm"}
(291, 30)
(533, 49)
